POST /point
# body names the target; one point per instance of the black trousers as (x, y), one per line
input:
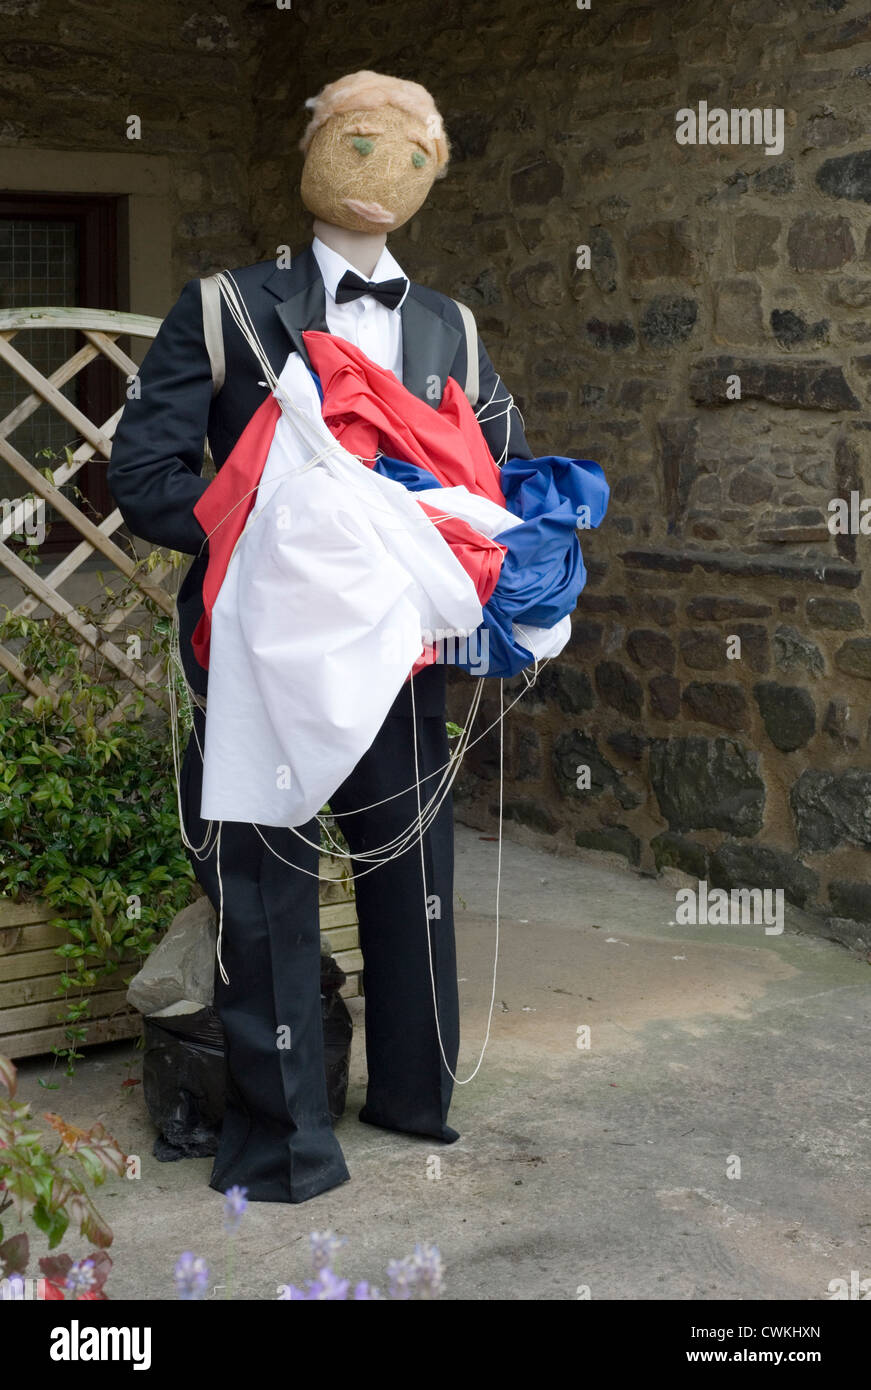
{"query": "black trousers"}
(277, 1139)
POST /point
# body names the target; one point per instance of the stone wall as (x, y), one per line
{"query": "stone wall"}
(744, 762)
(741, 762)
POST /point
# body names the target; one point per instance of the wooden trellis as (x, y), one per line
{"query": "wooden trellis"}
(101, 330)
(29, 965)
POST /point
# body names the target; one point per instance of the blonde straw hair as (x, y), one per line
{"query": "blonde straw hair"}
(366, 91)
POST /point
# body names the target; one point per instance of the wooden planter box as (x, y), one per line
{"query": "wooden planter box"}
(339, 923)
(30, 1007)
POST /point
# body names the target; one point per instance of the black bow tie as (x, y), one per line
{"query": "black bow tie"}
(352, 286)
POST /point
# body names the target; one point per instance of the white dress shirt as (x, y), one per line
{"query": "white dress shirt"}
(365, 322)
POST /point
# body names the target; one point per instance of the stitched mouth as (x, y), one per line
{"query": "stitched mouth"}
(373, 212)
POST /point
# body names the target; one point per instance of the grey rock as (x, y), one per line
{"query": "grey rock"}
(618, 688)
(758, 866)
(788, 714)
(816, 242)
(855, 935)
(830, 809)
(705, 783)
(651, 649)
(615, 839)
(838, 613)
(851, 900)
(841, 724)
(805, 385)
(854, 658)
(791, 330)
(714, 608)
(182, 964)
(574, 749)
(664, 692)
(611, 337)
(603, 260)
(716, 702)
(569, 688)
(847, 176)
(678, 852)
(527, 812)
(777, 178)
(795, 652)
(668, 320)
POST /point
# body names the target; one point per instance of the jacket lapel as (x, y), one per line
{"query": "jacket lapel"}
(429, 346)
(429, 343)
(302, 299)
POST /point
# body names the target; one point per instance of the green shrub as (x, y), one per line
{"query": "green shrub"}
(88, 815)
(50, 1186)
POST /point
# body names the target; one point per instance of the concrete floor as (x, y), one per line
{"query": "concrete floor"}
(604, 1168)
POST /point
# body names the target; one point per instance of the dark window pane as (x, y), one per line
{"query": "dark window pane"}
(39, 265)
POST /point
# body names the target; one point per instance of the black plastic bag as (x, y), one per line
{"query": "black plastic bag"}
(183, 1071)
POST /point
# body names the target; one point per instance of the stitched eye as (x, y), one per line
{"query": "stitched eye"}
(418, 159)
(363, 145)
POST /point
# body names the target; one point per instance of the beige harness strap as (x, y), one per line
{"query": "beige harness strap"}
(213, 332)
(472, 387)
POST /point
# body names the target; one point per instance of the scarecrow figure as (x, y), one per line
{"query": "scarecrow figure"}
(375, 499)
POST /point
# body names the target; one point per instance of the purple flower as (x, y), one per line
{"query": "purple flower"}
(81, 1278)
(428, 1269)
(365, 1293)
(324, 1248)
(399, 1275)
(191, 1276)
(418, 1275)
(326, 1286)
(235, 1204)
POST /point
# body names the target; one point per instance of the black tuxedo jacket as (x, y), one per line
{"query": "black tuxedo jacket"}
(155, 472)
